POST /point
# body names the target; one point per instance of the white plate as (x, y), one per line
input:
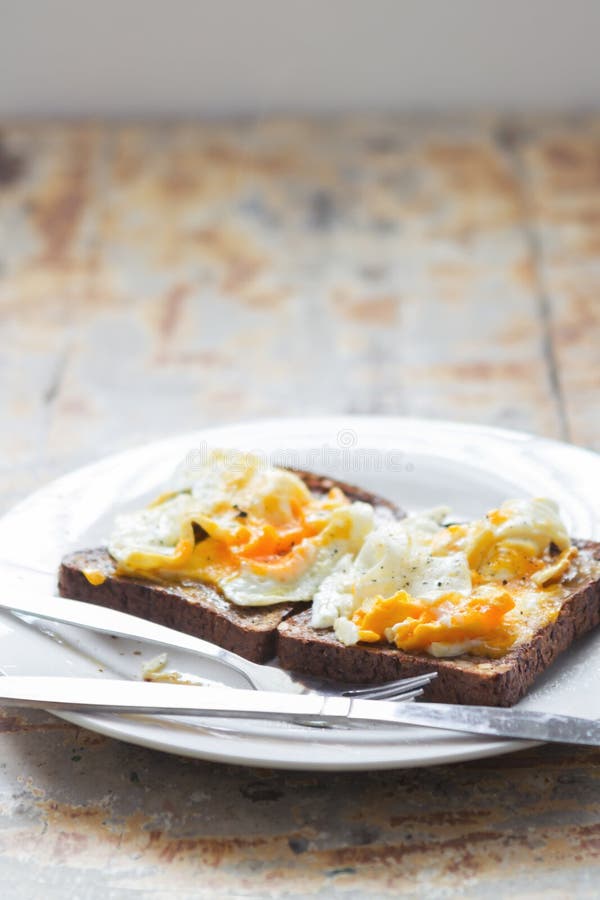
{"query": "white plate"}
(418, 463)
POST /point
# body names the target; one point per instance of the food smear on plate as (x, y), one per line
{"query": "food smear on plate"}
(477, 588)
(156, 670)
(254, 531)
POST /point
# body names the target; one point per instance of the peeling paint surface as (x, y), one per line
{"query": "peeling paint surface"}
(159, 278)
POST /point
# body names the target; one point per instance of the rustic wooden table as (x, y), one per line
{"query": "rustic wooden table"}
(155, 279)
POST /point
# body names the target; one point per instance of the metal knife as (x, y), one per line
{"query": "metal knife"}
(94, 695)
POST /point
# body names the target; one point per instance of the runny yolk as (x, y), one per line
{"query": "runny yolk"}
(280, 550)
(496, 517)
(452, 619)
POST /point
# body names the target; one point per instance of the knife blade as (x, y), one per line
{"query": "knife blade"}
(91, 695)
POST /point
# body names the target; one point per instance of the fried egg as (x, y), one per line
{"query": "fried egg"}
(254, 531)
(474, 588)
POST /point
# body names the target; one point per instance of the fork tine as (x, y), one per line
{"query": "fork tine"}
(395, 688)
(392, 688)
(406, 695)
(394, 694)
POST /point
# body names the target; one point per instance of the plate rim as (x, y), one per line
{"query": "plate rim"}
(102, 725)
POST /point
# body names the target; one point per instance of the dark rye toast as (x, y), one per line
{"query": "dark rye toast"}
(465, 679)
(189, 606)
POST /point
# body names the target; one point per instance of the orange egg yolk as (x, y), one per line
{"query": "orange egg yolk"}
(452, 619)
(239, 537)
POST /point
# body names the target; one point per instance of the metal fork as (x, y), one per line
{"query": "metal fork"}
(25, 601)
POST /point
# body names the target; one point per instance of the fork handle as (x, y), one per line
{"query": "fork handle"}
(120, 624)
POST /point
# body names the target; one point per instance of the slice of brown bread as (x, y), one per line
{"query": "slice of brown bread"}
(464, 679)
(193, 607)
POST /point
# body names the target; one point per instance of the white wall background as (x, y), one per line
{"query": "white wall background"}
(212, 57)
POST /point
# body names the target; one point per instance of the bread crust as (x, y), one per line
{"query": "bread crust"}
(466, 679)
(189, 606)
